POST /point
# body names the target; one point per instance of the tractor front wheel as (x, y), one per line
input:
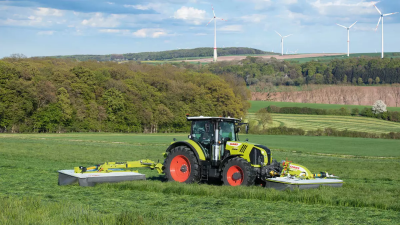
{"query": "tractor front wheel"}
(181, 165)
(238, 171)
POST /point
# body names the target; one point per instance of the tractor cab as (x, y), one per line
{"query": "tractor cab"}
(212, 134)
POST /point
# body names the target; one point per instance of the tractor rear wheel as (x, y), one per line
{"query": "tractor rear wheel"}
(238, 171)
(181, 165)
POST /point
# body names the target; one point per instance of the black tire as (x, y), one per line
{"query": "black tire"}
(194, 169)
(248, 174)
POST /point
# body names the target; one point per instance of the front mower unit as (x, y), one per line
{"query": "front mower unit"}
(283, 183)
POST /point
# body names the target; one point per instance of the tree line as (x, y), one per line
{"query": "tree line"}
(62, 95)
(168, 55)
(355, 71)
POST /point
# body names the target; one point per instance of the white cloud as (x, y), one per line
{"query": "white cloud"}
(150, 32)
(114, 31)
(255, 18)
(190, 15)
(48, 32)
(48, 12)
(200, 34)
(98, 20)
(110, 3)
(344, 7)
(150, 6)
(232, 28)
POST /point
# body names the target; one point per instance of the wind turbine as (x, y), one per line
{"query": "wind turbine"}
(282, 37)
(381, 18)
(348, 37)
(215, 33)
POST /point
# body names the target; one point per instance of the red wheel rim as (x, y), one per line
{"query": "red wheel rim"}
(180, 168)
(229, 176)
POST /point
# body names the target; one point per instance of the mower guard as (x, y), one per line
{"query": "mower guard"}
(283, 183)
(66, 177)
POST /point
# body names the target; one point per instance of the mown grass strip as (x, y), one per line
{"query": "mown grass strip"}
(349, 196)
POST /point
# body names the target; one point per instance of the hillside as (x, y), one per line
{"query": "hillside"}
(57, 95)
(168, 55)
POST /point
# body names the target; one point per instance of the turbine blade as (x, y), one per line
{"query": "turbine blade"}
(278, 33)
(213, 10)
(210, 21)
(380, 18)
(378, 10)
(220, 19)
(288, 35)
(389, 14)
(341, 25)
(353, 24)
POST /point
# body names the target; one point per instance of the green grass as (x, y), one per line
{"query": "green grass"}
(29, 193)
(257, 105)
(314, 122)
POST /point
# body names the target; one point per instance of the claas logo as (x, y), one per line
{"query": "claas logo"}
(295, 167)
(233, 144)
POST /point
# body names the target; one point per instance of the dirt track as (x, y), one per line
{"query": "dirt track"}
(231, 58)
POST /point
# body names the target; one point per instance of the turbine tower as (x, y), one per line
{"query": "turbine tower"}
(348, 37)
(215, 33)
(381, 18)
(282, 37)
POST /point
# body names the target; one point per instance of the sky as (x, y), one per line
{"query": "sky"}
(67, 27)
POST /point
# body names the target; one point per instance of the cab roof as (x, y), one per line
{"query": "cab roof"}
(192, 118)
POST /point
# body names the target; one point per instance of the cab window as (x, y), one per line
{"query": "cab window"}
(227, 130)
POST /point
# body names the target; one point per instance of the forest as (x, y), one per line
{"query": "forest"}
(168, 55)
(64, 95)
(354, 71)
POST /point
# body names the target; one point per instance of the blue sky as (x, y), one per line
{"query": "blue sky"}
(65, 27)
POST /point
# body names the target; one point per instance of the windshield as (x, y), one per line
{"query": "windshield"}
(227, 130)
(203, 131)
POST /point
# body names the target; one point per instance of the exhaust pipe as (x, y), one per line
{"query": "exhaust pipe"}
(215, 152)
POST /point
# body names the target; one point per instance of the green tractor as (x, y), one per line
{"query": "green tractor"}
(212, 152)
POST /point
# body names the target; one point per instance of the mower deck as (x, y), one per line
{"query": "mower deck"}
(283, 183)
(66, 177)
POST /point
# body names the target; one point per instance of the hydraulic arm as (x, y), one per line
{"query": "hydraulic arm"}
(120, 167)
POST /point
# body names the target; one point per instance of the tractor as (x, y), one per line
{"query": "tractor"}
(212, 152)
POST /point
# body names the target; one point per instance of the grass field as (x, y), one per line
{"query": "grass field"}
(29, 193)
(314, 122)
(257, 105)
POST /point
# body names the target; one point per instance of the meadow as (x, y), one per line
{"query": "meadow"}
(29, 193)
(257, 105)
(314, 122)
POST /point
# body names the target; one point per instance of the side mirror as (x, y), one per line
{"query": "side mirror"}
(247, 129)
(237, 129)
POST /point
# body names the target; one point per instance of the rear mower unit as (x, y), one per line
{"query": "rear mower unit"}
(212, 152)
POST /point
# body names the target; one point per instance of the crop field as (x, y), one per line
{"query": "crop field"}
(314, 122)
(29, 193)
(257, 105)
